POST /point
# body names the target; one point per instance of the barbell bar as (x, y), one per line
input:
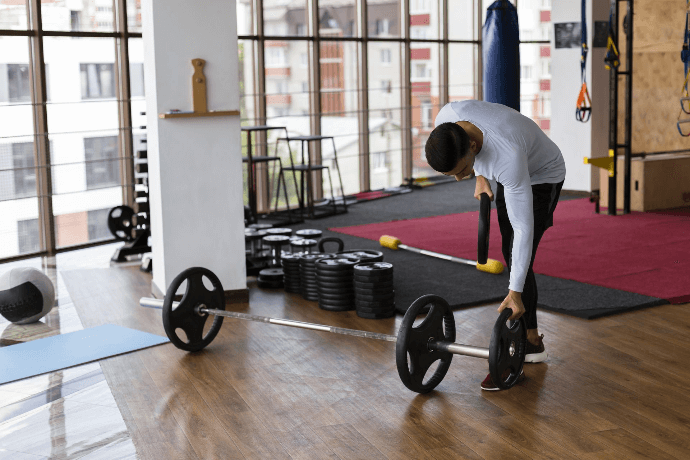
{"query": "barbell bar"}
(417, 347)
(454, 348)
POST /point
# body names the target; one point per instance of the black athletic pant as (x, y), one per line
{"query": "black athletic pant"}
(544, 201)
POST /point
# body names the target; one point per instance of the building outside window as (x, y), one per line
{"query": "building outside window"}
(28, 236)
(385, 56)
(97, 81)
(18, 86)
(98, 224)
(24, 169)
(102, 163)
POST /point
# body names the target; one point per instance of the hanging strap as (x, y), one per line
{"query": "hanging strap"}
(612, 59)
(584, 102)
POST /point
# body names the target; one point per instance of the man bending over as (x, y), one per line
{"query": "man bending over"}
(498, 143)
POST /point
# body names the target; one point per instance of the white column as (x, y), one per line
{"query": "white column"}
(578, 140)
(195, 165)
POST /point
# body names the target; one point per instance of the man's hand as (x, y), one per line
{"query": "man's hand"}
(513, 301)
(483, 186)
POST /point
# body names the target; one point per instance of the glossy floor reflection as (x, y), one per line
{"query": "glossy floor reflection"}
(69, 414)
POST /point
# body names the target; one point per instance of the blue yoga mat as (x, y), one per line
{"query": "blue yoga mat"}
(67, 350)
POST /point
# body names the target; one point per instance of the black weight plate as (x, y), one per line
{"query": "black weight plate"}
(275, 240)
(269, 274)
(412, 354)
(121, 223)
(270, 284)
(376, 285)
(335, 285)
(279, 231)
(382, 315)
(336, 292)
(484, 226)
(291, 258)
(309, 233)
(342, 263)
(292, 286)
(365, 255)
(185, 317)
(335, 308)
(292, 290)
(382, 307)
(386, 308)
(346, 304)
(374, 267)
(349, 300)
(292, 270)
(507, 350)
(308, 290)
(375, 291)
(374, 303)
(332, 276)
(372, 278)
(374, 297)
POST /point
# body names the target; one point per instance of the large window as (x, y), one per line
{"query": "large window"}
(62, 149)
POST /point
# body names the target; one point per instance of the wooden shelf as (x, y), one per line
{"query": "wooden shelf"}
(212, 113)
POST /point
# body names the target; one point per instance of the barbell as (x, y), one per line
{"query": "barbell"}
(418, 347)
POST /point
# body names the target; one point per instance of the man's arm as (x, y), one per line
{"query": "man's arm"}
(483, 186)
(518, 196)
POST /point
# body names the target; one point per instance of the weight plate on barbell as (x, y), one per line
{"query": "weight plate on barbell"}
(185, 317)
(412, 354)
(507, 350)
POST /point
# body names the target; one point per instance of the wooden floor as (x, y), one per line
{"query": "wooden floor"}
(611, 388)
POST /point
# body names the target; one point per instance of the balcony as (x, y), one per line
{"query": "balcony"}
(544, 85)
(545, 51)
(421, 88)
(420, 19)
(420, 54)
(277, 71)
(545, 16)
(278, 99)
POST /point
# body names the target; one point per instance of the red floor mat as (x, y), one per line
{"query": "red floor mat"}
(644, 253)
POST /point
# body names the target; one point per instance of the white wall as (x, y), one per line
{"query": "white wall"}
(578, 140)
(195, 166)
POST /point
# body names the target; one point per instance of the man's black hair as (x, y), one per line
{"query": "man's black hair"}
(448, 143)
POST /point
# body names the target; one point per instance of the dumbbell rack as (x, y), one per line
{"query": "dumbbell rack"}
(140, 243)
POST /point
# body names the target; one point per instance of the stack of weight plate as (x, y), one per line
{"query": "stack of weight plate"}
(374, 295)
(307, 275)
(334, 280)
(291, 277)
(271, 278)
(364, 255)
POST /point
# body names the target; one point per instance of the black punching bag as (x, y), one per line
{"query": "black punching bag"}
(501, 55)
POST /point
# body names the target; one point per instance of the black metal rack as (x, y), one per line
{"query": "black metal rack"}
(613, 110)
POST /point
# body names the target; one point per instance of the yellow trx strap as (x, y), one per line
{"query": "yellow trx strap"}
(584, 102)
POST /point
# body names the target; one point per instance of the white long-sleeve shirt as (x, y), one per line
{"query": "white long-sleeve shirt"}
(516, 153)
